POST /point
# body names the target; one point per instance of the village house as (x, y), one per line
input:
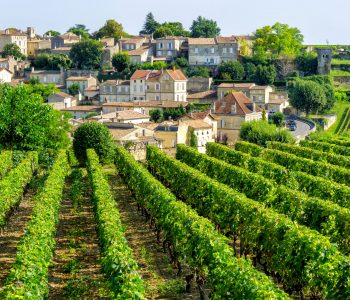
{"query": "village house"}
(64, 40)
(124, 116)
(61, 50)
(47, 76)
(84, 82)
(141, 54)
(212, 51)
(209, 96)
(5, 75)
(141, 106)
(13, 37)
(169, 47)
(234, 109)
(61, 100)
(8, 63)
(83, 111)
(159, 85)
(115, 91)
(35, 46)
(261, 95)
(132, 43)
(203, 132)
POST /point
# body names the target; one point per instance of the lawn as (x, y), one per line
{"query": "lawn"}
(336, 61)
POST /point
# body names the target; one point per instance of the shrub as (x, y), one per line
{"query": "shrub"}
(95, 136)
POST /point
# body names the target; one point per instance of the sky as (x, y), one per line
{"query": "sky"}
(319, 20)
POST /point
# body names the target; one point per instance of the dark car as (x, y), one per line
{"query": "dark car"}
(292, 127)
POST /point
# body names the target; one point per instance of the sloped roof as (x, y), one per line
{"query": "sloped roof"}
(243, 104)
(201, 115)
(176, 74)
(236, 85)
(198, 124)
(139, 51)
(203, 95)
(201, 41)
(226, 39)
(152, 103)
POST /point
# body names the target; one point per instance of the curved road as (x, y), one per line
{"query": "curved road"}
(303, 129)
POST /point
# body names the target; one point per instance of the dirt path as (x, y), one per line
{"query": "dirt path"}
(76, 272)
(14, 229)
(155, 268)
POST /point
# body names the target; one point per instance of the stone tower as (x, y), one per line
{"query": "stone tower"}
(324, 58)
(31, 32)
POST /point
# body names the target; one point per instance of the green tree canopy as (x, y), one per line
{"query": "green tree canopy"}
(194, 71)
(52, 61)
(170, 28)
(156, 115)
(80, 30)
(150, 24)
(52, 33)
(87, 54)
(307, 63)
(92, 135)
(74, 89)
(202, 27)
(231, 70)
(43, 90)
(277, 119)
(13, 50)
(265, 75)
(277, 40)
(27, 124)
(121, 61)
(307, 96)
(111, 29)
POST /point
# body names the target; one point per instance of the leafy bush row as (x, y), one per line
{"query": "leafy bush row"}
(195, 239)
(302, 259)
(313, 154)
(295, 163)
(118, 262)
(322, 215)
(5, 162)
(28, 278)
(326, 147)
(311, 185)
(12, 186)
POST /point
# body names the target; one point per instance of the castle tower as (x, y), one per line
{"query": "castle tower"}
(324, 58)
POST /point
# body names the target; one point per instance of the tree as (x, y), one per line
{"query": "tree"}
(80, 30)
(193, 139)
(52, 33)
(244, 47)
(158, 65)
(198, 72)
(203, 27)
(87, 54)
(27, 124)
(182, 62)
(265, 75)
(307, 96)
(156, 115)
(13, 50)
(121, 61)
(111, 29)
(92, 135)
(260, 132)
(171, 28)
(276, 40)
(250, 71)
(307, 63)
(277, 119)
(233, 70)
(43, 90)
(74, 89)
(52, 61)
(150, 25)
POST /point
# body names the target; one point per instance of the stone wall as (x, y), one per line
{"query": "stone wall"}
(197, 85)
(342, 81)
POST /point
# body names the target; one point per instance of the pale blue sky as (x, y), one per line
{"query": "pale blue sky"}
(318, 20)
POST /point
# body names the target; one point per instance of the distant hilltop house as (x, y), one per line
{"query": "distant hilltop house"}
(115, 91)
(64, 40)
(84, 83)
(35, 46)
(9, 36)
(234, 109)
(61, 100)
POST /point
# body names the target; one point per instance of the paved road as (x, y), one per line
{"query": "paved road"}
(303, 129)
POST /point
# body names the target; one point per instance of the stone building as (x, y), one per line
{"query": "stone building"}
(36, 45)
(169, 47)
(64, 40)
(212, 51)
(115, 91)
(13, 37)
(84, 82)
(324, 59)
(159, 85)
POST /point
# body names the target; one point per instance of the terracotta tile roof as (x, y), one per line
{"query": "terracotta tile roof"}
(120, 132)
(83, 108)
(236, 85)
(139, 51)
(176, 75)
(243, 104)
(77, 78)
(260, 87)
(198, 124)
(62, 94)
(203, 95)
(148, 125)
(225, 39)
(201, 41)
(132, 40)
(70, 36)
(129, 115)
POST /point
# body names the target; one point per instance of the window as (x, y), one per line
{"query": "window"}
(169, 45)
(111, 89)
(170, 53)
(105, 89)
(212, 50)
(119, 89)
(126, 89)
(224, 50)
(160, 45)
(231, 50)
(195, 50)
(222, 123)
(261, 98)
(212, 60)
(157, 86)
(183, 86)
(177, 86)
(135, 89)
(159, 53)
(127, 46)
(177, 97)
(157, 98)
(141, 88)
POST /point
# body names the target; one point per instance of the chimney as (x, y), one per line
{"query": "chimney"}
(32, 69)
